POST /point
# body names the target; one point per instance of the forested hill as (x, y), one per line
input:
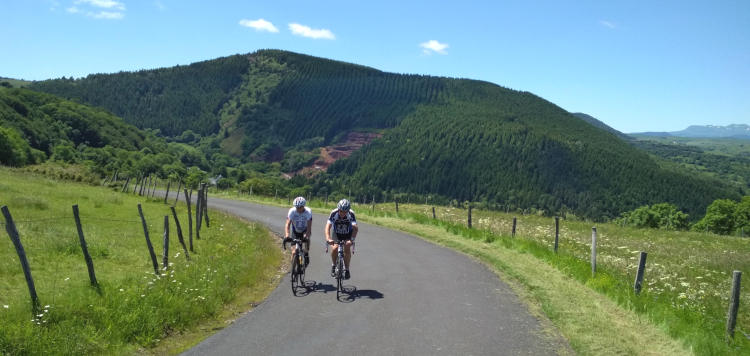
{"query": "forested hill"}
(462, 139)
(45, 121)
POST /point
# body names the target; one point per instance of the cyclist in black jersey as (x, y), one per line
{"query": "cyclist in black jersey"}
(344, 225)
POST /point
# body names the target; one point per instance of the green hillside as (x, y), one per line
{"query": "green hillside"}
(45, 121)
(515, 149)
(459, 139)
(169, 99)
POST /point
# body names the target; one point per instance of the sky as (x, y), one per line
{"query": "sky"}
(635, 65)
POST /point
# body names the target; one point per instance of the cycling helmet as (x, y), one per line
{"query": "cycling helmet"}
(344, 205)
(299, 202)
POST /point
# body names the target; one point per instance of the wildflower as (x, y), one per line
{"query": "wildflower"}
(122, 290)
(177, 255)
(5, 306)
(46, 306)
(67, 278)
(684, 284)
(143, 295)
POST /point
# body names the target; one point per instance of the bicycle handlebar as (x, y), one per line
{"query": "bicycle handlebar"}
(338, 242)
(295, 240)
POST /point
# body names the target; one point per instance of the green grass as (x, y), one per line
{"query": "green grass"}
(686, 285)
(134, 308)
(719, 146)
(16, 83)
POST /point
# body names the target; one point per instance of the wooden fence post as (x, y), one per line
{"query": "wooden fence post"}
(85, 248)
(326, 199)
(190, 220)
(125, 186)
(178, 193)
(373, 203)
(105, 180)
(165, 239)
(433, 212)
(198, 213)
(593, 250)
(734, 303)
(148, 241)
(469, 216)
(275, 194)
(513, 231)
(639, 274)
(135, 184)
(115, 178)
(396, 200)
(179, 231)
(10, 228)
(205, 206)
(557, 231)
(167, 195)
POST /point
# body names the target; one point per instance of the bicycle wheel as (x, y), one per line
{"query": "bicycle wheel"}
(301, 270)
(339, 277)
(293, 275)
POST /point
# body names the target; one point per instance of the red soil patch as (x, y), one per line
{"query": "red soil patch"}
(330, 154)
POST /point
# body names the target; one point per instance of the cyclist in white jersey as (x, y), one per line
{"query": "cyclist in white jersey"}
(299, 221)
(344, 225)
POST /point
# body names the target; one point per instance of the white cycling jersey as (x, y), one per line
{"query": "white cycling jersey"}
(299, 220)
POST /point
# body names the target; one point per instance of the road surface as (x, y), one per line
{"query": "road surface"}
(406, 296)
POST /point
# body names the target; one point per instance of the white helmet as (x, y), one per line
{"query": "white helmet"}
(299, 202)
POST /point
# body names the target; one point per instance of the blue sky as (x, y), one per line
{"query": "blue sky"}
(635, 65)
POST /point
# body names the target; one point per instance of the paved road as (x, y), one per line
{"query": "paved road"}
(407, 297)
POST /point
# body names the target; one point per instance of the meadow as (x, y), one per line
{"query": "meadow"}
(133, 309)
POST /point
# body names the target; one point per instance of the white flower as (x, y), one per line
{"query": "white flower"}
(5, 306)
(143, 295)
(67, 278)
(46, 306)
(177, 255)
(122, 290)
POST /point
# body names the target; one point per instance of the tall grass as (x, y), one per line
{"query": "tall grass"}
(134, 307)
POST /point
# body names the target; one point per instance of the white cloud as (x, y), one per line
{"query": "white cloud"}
(607, 24)
(107, 4)
(259, 25)
(73, 10)
(305, 31)
(435, 46)
(107, 15)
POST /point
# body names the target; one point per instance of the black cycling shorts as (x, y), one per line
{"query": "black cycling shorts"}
(299, 235)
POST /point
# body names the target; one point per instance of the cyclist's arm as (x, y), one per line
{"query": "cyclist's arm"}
(328, 231)
(286, 228)
(309, 229)
(355, 229)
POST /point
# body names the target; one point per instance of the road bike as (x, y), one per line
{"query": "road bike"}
(297, 269)
(339, 270)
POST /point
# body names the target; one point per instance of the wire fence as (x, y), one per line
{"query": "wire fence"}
(36, 240)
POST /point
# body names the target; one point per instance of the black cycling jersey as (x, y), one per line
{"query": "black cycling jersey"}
(342, 225)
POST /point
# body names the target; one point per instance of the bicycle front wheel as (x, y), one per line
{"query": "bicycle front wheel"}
(293, 275)
(339, 277)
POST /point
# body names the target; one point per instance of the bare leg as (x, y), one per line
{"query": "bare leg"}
(347, 255)
(334, 253)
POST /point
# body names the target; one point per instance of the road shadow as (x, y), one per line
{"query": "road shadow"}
(314, 287)
(352, 294)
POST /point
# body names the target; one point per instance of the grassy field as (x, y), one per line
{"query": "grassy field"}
(719, 146)
(233, 265)
(16, 83)
(686, 286)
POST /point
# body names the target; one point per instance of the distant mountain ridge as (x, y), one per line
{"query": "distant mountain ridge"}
(741, 131)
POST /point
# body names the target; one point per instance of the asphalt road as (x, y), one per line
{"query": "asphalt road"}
(406, 297)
